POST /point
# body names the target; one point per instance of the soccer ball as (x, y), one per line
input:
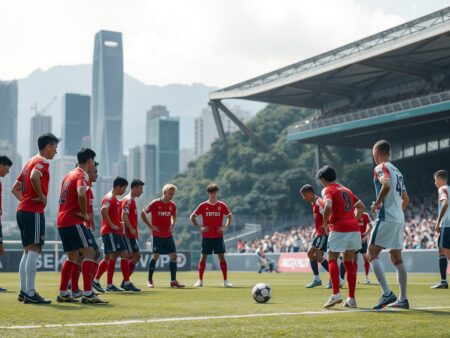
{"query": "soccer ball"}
(262, 292)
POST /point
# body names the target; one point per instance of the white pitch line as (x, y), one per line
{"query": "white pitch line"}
(187, 319)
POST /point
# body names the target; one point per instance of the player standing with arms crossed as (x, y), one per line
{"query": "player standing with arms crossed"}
(443, 226)
(212, 211)
(388, 233)
(320, 238)
(5, 164)
(31, 189)
(341, 224)
(163, 214)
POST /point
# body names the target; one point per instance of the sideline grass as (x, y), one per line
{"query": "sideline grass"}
(289, 296)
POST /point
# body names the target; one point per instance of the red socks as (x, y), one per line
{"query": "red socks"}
(201, 269)
(131, 266)
(366, 265)
(125, 267)
(101, 269)
(351, 278)
(223, 267)
(333, 268)
(88, 271)
(75, 278)
(66, 274)
(110, 271)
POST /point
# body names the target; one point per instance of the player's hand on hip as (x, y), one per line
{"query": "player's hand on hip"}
(326, 228)
(204, 229)
(375, 206)
(41, 199)
(155, 229)
(132, 231)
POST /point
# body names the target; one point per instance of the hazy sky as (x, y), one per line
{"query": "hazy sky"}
(216, 42)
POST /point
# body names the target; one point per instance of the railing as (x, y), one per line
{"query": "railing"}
(394, 107)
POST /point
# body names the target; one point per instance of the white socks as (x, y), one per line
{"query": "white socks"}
(402, 278)
(30, 270)
(22, 272)
(378, 270)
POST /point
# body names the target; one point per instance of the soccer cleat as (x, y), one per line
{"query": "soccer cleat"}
(35, 299)
(313, 284)
(227, 283)
(198, 284)
(150, 284)
(113, 288)
(367, 280)
(93, 299)
(332, 301)
(21, 296)
(97, 286)
(350, 302)
(130, 287)
(440, 285)
(3, 290)
(385, 300)
(399, 304)
(66, 299)
(176, 284)
(77, 294)
(329, 286)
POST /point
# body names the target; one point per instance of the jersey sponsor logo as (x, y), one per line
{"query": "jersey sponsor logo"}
(213, 214)
(164, 213)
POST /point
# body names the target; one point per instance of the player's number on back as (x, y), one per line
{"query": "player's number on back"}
(347, 201)
(399, 186)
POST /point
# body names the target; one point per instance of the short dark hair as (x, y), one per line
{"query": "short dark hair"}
(307, 188)
(327, 173)
(136, 182)
(85, 154)
(120, 182)
(46, 139)
(383, 147)
(4, 160)
(442, 174)
(212, 187)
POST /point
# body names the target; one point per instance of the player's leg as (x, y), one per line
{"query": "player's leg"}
(75, 278)
(334, 276)
(110, 270)
(201, 268)
(350, 267)
(402, 279)
(341, 271)
(152, 265)
(442, 260)
(22, 271)
(70, 264)
(2, 250)
(125, 262)
(88, 268)
(108, 248)
(314, 265)
(366, 267)
(169, 246)
(135, 256)
(387, 296)
(219, 249)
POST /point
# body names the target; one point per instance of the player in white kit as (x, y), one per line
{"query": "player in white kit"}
(392, 199)
(443, 225)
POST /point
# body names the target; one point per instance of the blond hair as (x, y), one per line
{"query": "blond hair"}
(169, 187)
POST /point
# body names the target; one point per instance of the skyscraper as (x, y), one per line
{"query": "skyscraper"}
(76, 122)
(164, 133)
(148, 159)
(107, 99)
(134, 163)
(40, 124)
(8, 112)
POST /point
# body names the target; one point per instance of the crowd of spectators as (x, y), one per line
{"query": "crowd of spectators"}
(420, 217)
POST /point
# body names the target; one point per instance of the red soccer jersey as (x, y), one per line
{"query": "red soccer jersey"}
(212, 215)
(27, 204)
(90, 206)
(317, 208)
(343, 217)
(112, 204)
(68, 199)
(161, 216)
(128, 205)
(363, 222)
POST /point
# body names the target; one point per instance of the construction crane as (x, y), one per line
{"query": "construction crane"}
(34, 107)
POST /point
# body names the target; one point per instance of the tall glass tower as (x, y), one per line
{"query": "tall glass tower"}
(8, 113)
(107, 99)
(76, 111)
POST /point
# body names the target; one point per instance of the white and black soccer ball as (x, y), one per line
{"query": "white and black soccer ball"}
(262, 292)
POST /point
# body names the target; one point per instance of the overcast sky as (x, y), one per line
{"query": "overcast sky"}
(215, 42)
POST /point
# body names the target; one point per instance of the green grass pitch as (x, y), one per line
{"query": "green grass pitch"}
(293, 310)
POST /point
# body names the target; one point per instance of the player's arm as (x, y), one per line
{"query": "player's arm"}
(405, 200)
(444, 207)
(173, 220)
(107, 219)
(327, 208)
(385, 188)
(228, 222)
(17, 190)
(193, 219)
(147, 222)
(360, 207)
(127, 223)
(35, 179)
(82, 202)
(92, 218)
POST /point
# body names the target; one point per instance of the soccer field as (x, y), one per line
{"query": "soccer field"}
(214, 311)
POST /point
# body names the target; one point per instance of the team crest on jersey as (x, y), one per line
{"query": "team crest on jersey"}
(170, 208)
(218, 208)
(39, 166)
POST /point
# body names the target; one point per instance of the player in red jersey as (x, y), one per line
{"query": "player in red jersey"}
(5, 164)
(320, 238)
(112, 232)
(163, 214)
(341, 224)
(31, 189)
(365, 227)
(71, 227)
(212, 211)
(130, 224)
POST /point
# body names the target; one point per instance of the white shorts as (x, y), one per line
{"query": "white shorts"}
(344, 241)
(388, 235)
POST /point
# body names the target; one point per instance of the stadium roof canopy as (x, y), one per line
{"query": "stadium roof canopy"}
(419, 49)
